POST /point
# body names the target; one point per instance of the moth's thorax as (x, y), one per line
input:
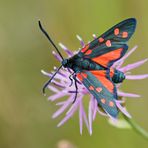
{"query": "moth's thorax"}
(78, 63)
(65, 62)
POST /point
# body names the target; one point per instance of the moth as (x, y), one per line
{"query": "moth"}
(92, 65)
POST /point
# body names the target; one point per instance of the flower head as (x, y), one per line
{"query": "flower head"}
(61, 87)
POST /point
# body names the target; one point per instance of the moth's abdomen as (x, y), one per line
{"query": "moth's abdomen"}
(117, 76)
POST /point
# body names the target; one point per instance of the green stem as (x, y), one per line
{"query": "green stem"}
(136, 127)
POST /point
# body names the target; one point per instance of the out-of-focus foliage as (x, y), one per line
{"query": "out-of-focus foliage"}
(25, 115)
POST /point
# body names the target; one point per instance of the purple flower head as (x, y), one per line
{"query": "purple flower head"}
(60, 87)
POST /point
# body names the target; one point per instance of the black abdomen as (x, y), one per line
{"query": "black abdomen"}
(118, 76)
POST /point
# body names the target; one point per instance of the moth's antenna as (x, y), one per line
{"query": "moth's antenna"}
(46, 34)
(47, 83)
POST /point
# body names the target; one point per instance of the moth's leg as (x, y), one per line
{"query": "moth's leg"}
(76, 86)
(70, 77)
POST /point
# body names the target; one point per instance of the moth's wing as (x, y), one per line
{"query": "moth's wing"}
(120, 33)
(102, 88)
(110, 46)
(108, 55)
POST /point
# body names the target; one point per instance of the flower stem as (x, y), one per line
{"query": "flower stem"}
(136, 127)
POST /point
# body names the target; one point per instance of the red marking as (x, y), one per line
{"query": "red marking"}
(111, 72)
(103, 101)
(88, 52)
(116, 31)
(80, 77)
(111, 103)
(107, 83)
(100, 73)
(84, 75)
(101, 76)
(99, 89)
(101, 39)
(108, 43)
(108, 57)
(91, 88)
(125, 34)
(85, 48)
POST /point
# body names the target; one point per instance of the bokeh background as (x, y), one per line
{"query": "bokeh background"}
(25, 115)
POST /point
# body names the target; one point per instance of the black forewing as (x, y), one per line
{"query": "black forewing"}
(111, 40)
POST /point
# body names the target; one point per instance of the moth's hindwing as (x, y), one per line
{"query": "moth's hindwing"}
(101, 88)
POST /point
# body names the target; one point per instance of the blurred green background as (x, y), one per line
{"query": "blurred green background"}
(25, 115)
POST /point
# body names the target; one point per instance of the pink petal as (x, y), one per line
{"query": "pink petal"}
(129, 53)
(65, 119)
(95, 108)
(133, 66)
(45, 73)
(74, 105)
(123, 109)
(68, 116)
(81, 41)
(90, 118)
(62, 109)
(60, 72)
(69, 53)
(136, 77)
(81, 117)
(60, 103)
(121, 61)
(57, 76)
(60, 77)
(85, 119)
(56, 56)
(123, 94)
(58, 84)
(53, 89)
(56, 96)
(94, 36)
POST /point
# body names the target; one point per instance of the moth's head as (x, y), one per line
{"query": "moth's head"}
(65, 63)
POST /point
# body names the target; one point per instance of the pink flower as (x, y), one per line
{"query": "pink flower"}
(60, 87)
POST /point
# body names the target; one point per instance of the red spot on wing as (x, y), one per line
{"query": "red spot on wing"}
(88, 52)
(84, 75)
(81, 76)
(101, 76)
(99, 89)
(99, 72)
(100, 39)
(111, 72)
(108, 43)
(91, 88)
(125, 34)
(85, 48)
(106, 58)
(103, 100)
(111, 103)
(116, 31)
(107, 83)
